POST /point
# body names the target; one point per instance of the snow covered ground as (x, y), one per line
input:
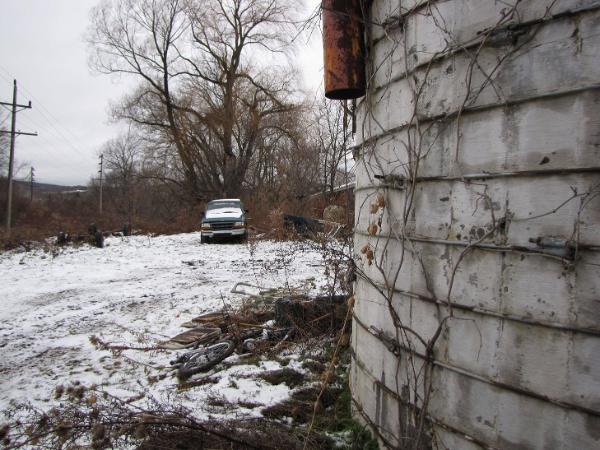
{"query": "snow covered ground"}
(136, 291)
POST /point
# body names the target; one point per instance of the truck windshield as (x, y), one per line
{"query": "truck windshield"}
(219, 205)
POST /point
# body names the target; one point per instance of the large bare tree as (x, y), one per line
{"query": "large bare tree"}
(332, 135)
(122, 159)
(208, 88)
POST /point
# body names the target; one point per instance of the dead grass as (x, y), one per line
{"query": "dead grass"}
(50, 214)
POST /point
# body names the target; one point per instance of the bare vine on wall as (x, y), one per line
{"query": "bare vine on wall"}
(393, 165)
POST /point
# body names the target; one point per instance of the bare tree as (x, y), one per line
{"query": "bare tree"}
(122, 159)
(203, 97)
(287, 166)
(331, 135)
(138, 37)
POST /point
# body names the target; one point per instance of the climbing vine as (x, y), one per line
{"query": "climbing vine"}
(393, 163)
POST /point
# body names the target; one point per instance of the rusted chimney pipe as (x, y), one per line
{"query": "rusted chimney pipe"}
(343, 49)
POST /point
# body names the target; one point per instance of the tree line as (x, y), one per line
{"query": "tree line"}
(217, 111)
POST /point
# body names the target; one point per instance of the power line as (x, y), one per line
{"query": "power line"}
(54, 129)
(4, 77)
(53, 134)
(49, 117)
(61, 155)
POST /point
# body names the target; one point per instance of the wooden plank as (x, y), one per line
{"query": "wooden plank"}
(188, 338)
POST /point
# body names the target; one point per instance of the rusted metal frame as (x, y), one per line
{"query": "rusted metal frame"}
(478, 176)
(537, 251)
(362, 366)
(442, 118)
(476, 42)
(378, 337)
(486, 312)
(402, 16)
(484, 379)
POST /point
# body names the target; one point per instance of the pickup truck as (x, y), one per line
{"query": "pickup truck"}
(224, 218)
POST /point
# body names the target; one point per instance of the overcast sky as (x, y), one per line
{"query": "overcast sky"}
(42, 47)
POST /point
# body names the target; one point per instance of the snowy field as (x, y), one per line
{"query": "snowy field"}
(136, 291)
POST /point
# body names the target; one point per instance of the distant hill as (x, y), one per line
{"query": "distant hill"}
(44, 188)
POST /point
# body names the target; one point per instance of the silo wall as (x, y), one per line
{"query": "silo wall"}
(477, 239)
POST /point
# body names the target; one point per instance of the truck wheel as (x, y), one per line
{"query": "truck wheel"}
(203, 239)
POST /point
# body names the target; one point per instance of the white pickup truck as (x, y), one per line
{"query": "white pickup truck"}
(224, 218)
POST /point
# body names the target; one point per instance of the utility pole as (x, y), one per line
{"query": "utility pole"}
(31, 178)
(13, 135)
(100, 172)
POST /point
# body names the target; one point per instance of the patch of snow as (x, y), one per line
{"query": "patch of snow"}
(137, 291)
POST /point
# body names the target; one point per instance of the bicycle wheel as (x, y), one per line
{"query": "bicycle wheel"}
(204, 359)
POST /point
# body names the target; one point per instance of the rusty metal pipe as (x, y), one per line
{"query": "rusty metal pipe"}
(343, 49)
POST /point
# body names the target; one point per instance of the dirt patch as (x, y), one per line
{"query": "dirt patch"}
(299, 412)
(248, 404)
(313, 366)
(289, 377)
(183, 386)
